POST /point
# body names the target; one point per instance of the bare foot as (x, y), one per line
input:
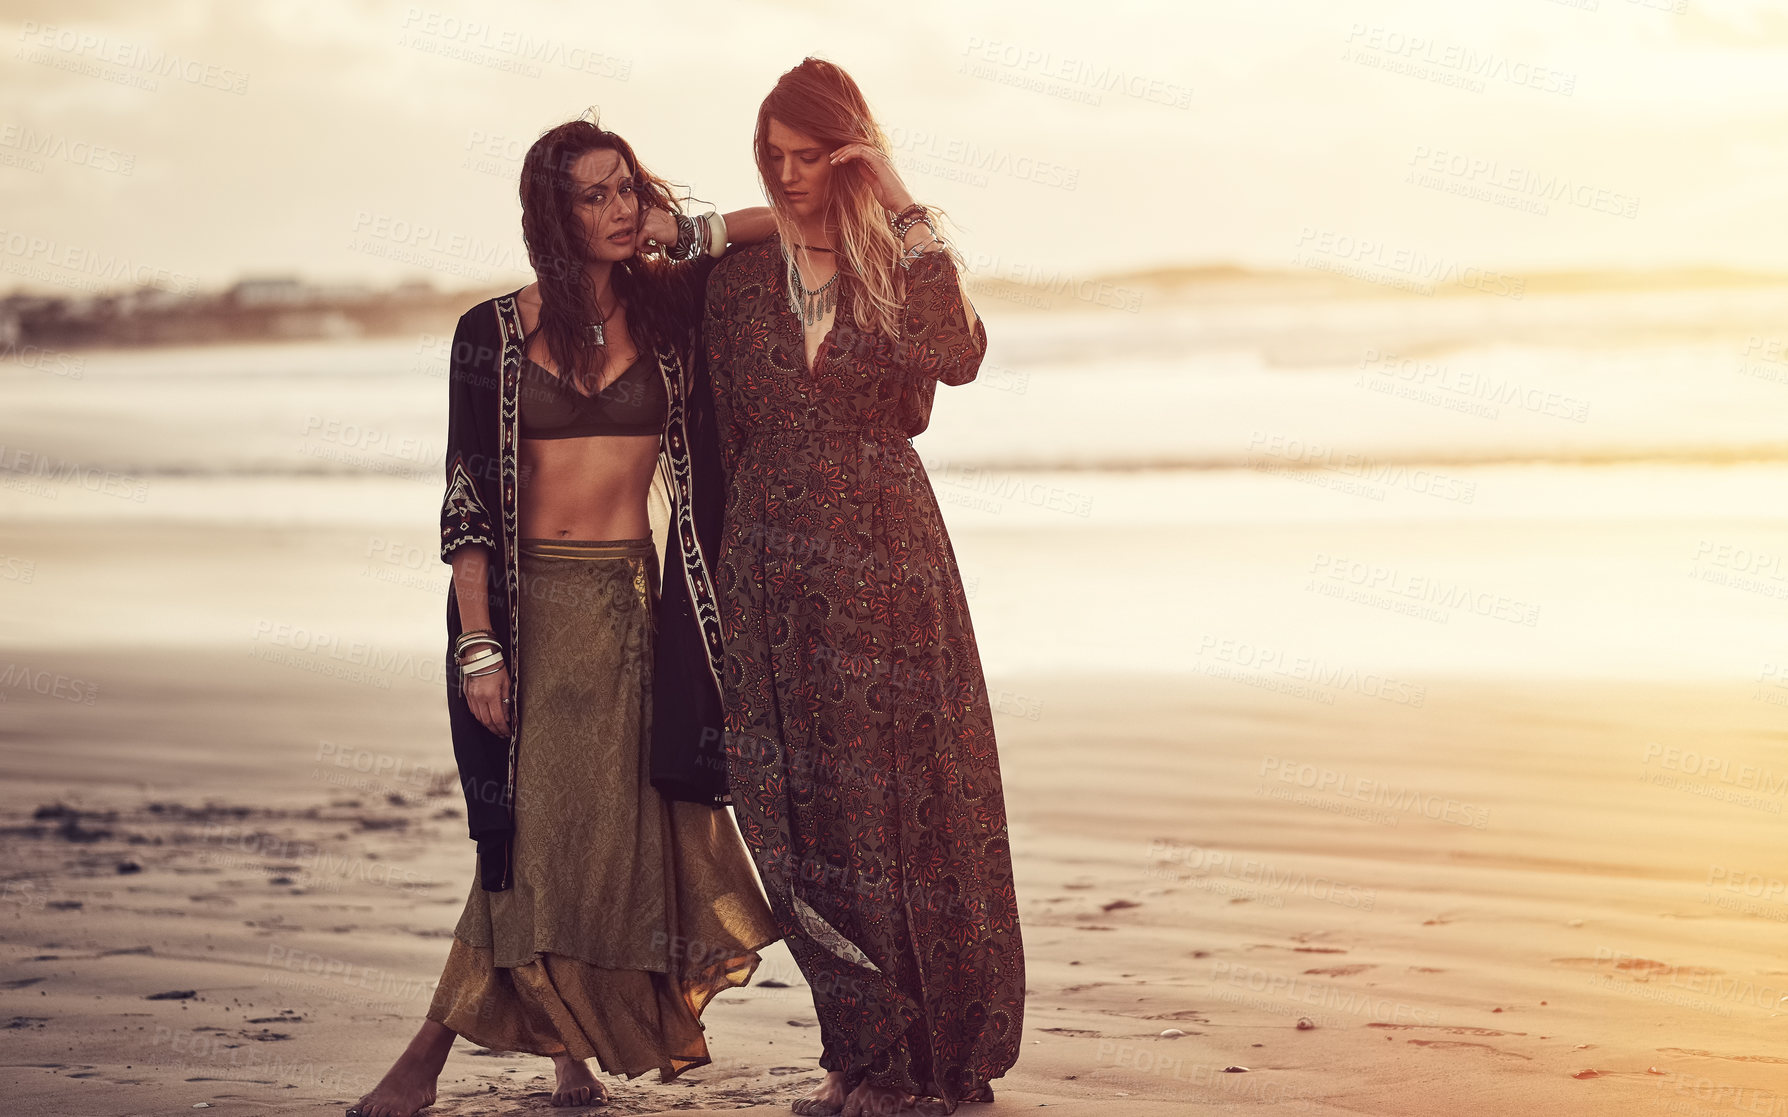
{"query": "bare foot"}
(935, 1107)
(577, 1086)
(409, 1086)
(876, 1101)
(827, 1098)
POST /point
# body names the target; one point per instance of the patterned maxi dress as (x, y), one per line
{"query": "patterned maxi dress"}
(859, 732)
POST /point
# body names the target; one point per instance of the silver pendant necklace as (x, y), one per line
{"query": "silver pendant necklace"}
(810, 305)
(596, 327)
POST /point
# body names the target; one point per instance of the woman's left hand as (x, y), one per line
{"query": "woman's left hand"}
(884, 180)
(655, 224)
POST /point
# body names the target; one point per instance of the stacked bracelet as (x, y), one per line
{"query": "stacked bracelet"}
(716, 225)
(703, 233)
(914, 214)
(906, 218)
(929, 227)
(473, 638)
(485, 662)
(903, 223)
(689, 244)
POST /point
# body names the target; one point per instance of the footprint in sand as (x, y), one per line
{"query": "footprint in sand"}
(1640, 969)
(1717, 1055)
(1449, 1029)
(1194, 1014)
(1465, 1043)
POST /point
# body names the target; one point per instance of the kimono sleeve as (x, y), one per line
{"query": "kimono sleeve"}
(684, 282)
(717, 332)
(935, 339)
(470, 454)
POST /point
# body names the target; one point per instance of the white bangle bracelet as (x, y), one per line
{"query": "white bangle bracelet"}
(716, 235)
(482, 659)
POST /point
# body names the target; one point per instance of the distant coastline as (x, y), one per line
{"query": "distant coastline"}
(1318, 275)
(289, 308)
(280, 308)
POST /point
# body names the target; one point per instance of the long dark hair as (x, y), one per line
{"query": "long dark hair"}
(557, 251)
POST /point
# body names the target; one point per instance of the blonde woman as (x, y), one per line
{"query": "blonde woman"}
(859, 731)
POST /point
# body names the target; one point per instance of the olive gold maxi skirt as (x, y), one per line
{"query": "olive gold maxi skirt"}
(628, 912)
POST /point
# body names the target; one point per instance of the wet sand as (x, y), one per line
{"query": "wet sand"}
(230, 879)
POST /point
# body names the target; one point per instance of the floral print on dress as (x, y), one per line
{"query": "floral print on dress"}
(859, 730)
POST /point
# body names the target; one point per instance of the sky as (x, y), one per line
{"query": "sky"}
(186, 145)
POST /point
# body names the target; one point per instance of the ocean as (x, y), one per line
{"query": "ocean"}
(1269, 486)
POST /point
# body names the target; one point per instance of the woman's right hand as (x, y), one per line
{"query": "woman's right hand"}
(656, 224)
(489, 697)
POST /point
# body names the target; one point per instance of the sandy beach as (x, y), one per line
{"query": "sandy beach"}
(1369, 505)
(231, 882)
(1400, 785)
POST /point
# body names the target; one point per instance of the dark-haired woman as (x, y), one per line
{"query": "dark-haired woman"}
(859, 729)
(604, 915)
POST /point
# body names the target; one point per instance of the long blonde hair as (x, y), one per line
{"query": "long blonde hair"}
(819, 99)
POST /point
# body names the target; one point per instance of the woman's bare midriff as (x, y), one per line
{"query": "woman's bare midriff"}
(585, 488)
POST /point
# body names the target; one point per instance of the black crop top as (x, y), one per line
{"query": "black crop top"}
(549, 407)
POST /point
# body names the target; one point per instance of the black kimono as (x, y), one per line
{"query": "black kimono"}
(688, 761)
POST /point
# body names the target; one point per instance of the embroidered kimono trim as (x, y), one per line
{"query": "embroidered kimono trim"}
(464, 519)
(695, 568)
(480, 506)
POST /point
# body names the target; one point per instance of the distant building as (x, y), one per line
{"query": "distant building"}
(343, 293)
(274, 290)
